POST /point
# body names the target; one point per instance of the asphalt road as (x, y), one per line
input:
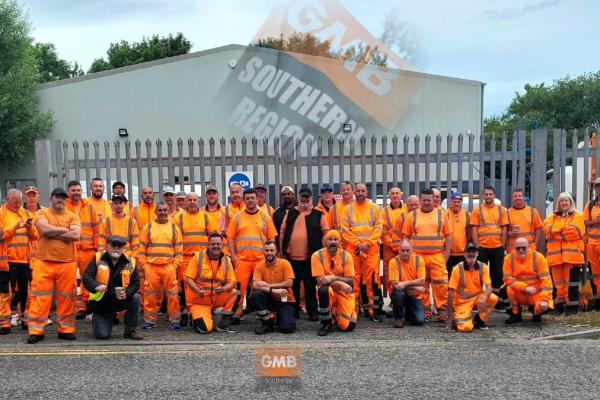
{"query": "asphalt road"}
(375, 361)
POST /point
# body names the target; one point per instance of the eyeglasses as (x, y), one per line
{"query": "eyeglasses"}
(521, 247)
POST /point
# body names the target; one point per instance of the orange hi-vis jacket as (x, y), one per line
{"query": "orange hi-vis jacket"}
(124, 226)
(490, 221)
(161, 244)
(101, 207)
(565, 239)
(103, 273)
(143, 214)
(392, 231)
(526, 220)
(469, 283)
(427, 231)
(3, 251)
(195, 229)
(250, 232)
(402, 271)
(532, 271)
(322, 208)
(361, 223)
(592, 211)
(214, 217)
(208, 274)
(89, 224)
(335, 214)
(230, 211)
(322, 264)
(17, 241)
(267, 209)
(459, 223)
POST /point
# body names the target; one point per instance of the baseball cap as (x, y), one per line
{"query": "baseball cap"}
(471, 246)
(597, 182)
(119, 197)
(30, 189)
(181, 193)
(59, 192)
(168, 190)
(260, 186)
(456, 196)
(211, 188)
(116, 240)
(305, 192)
(326, 188)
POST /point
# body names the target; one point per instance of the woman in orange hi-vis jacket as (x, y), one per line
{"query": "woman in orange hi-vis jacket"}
(565, 231)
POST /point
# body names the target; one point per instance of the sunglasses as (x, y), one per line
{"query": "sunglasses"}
(521, 247)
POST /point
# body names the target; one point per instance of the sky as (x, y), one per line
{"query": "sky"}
(505, 44)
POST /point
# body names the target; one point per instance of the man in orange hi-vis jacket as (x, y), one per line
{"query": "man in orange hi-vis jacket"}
(55, 269)
(118, 223)
(430, 234)
(591, 216)
(146, 211)
(528, 282)
(88, 243)
(395, 210)
(99, 204)
(336, 212)
(161, 253)
(523, 221)
(247, 233)
(361, 233)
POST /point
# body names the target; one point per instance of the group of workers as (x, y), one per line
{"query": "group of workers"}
(245, 257)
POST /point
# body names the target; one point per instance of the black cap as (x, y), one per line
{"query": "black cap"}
(118, 183)
(59, 192)
(306, 192)
(260, 186)
(471, 246)
(119, 197)
(117, 240)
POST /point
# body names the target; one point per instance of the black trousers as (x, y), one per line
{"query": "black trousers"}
(285, 313)
(20, 277)
(495, 259)
(453, 261)
(303, 273)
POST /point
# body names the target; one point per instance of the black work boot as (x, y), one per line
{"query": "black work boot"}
(559, 308)
(224, 324)
(266, 327)
(200, 326)
(571, 310)
(326, 328)
(512, 317)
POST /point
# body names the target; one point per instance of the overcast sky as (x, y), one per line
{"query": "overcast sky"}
(502, 43)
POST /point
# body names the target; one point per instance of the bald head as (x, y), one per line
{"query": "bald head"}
(522, 247)
(437, 197)
(405, 250)
(412, 202)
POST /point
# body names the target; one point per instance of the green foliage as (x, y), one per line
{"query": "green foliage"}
(51, 67)
(21, 122)
(123, 53)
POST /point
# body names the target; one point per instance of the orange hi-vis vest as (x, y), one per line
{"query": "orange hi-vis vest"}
(17, 241)
(143, 214)
(533, 271)
(267, 209)
(410, 270)
(208, 278)
(251, 232)
(332, 267)
(470, 289)
(459, 222)
(426, 231)
(231, 211)
(491, 220)
(591, 211)
(121, 226)
(3, 252)
(89, 224)
(103, 273)
(565, 239)
(390, 215)
(194, 230)
(335, 214)
(214, 217)
(525, 219)
(101, 207)
(161, 244)
(360, 224)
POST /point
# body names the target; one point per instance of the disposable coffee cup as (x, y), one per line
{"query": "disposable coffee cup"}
(119, 290)
(516, 228)
(284, 298)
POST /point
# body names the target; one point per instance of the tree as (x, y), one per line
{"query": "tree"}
(123, 53)
(51, 67)
(21, 121)
(399, 36)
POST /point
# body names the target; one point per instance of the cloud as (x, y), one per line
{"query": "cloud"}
(517, 12)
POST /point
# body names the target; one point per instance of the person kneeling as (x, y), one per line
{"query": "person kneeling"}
(272, 292)
(210, 284)
(470, 285)
(114, 281)
(407, 277)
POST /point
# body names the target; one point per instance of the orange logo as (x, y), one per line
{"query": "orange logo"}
(278, 362)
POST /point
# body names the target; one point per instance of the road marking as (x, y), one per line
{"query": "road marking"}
(91, 353)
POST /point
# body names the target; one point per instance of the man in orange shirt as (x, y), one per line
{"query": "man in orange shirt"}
(118, 189)
(412, 203)
(272, 292)
(55, 269)
(489, 223)
(336, 212)
(459, 220)
(528, 282)
(5, 323)
(394, 215)
(333, 269)
(591, 216)
(181, 200)
(100, 205)
(168, 196)
(146, 211)
(523, 221)
(430, 234)
(248, 231)
(237, 204)
(261, 193)
(437, 199)
(326, 199)
(212, 208)
(470, 286)
(407, 277)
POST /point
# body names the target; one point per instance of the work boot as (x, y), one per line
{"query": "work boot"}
(224, 323)
(115, 320)
(235, 321)
(571, 310)
(513, 318)
(133, 335)
(313, 317)
(326, 327)
(66, 336)
(24, 325)
(200, 326)
(596, 305)
(33, 339)
(4, 331)
(559, 308)
(399, 324)
(184, 319)
(479, 323)
(266, 327)
(80, 315)
(537, 318)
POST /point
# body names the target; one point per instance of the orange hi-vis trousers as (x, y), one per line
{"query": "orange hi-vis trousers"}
(160, 278)
(366, 272)
(463, 310)
(567, 289)
(518, 298)
(243, 273)
(47, 278)
(388, 254)
(204, 311)
(437, 276)
(84, 258)
(340, 305)
(593, 254)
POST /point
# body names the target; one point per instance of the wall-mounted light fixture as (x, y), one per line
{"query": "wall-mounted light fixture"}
(347, 128)
(123, 132)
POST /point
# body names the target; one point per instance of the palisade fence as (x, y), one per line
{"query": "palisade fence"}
(462, 162)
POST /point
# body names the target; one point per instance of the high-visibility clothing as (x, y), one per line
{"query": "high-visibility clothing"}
(161, 244)
(468, 289)
(101, 207)
(281, 271)
(361, 223)
(402, 271)
(5, 312)
(84, 258)
(460, 223)
(267, 209)
(103, 272)
(324, 209)
(593, 254)
(521, 273)
(229, 211)
(250, 232)
(17, 240)
(524, 221)
(50, 249)
(143, 214)
(335, 214)
(490, 221)
(34, 242)
(214, 217)
(50, 277)
(341, 305)
(567, 287)
(390, 241)
(124, 226)
(195, 229)
(591, 211)
(158, 279)
(565, 239)
(89, 224)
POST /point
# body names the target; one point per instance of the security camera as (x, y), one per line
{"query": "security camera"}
(232, 63)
